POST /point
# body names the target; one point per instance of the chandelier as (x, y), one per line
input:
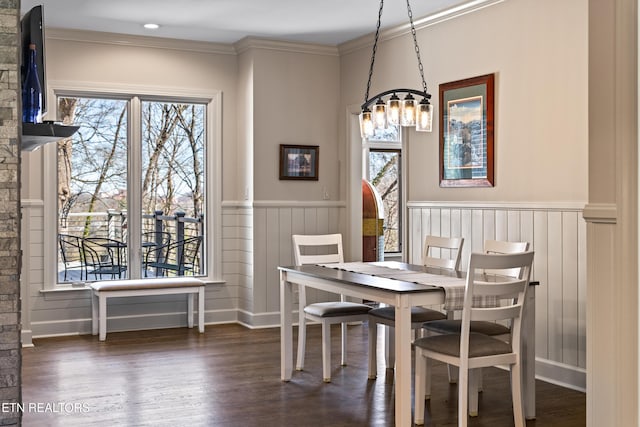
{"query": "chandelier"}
(378, 113)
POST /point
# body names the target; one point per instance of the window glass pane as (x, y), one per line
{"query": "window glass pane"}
(384, 175)
(92, 190)
(173, 193)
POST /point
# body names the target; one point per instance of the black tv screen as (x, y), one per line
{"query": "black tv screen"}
(32, 30)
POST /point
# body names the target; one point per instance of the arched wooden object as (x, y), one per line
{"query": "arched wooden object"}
(372, 224)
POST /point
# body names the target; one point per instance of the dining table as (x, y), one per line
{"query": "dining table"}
(403, 286)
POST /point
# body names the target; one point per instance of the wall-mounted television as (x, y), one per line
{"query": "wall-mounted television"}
(32, 31)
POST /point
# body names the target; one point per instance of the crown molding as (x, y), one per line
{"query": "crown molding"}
(427, 21)
(138, 41)
(249, 43)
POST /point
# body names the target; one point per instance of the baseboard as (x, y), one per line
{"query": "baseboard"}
(26, 338)
(561, 374)
(128, 323)
(261, 320)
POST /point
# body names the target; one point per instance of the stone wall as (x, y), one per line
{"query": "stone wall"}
(10, 348)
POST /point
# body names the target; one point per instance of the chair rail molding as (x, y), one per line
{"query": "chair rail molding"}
(603, 213)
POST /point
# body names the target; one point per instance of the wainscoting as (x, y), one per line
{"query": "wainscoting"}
(273, 225)
(256, 238)
(557, 234)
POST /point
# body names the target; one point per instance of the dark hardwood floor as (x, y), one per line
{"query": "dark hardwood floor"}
(230, 376)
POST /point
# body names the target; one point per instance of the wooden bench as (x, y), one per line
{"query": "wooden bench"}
(100, 291)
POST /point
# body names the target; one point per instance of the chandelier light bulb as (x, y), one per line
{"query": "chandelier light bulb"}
(380, 114)
(393, 110)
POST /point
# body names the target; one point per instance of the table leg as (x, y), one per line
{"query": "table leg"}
(286, 328)
(403, 361)
(528, 352)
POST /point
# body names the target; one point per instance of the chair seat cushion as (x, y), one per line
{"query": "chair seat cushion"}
(418, 314)
(478, 326)
(336, 308)
(479, 345)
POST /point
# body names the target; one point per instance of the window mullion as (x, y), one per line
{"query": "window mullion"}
(134, 184)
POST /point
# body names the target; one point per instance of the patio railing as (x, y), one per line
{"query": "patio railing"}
(112, 224)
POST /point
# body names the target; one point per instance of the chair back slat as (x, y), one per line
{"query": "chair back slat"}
(505, 247)
(442, 252)
(317, 249)
(511, 293)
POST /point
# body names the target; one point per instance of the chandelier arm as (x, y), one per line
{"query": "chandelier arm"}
(371, 100)
(373, 52)
(415, 43)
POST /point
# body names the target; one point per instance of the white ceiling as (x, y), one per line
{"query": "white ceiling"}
(328, 22)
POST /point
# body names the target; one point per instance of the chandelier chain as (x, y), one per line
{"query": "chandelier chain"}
(415, 43)
(373, 53)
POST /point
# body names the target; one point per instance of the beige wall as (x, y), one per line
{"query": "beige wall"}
(538, 51)
(296, 98)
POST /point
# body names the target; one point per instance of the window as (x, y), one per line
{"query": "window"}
(133, 196)
(383, 169)
(385, 176)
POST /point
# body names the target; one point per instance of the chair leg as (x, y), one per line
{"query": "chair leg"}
(473, 391)
(302, 337)
(373, 349)
(326, 352)
(421, 375)
(390, 350)
(463, 390)
(427, 379)
(516, 395)
(343, 330)
(453, 374)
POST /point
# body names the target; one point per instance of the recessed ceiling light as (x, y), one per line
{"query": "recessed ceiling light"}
(151, 26)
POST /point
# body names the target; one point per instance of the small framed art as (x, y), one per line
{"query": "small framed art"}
(299, 162)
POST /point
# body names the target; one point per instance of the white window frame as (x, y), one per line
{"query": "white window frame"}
(399, 145)
(213, 164)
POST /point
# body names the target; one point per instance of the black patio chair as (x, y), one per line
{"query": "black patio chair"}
(71, 255)
(151, 242)
(179, 257)
(105, 257)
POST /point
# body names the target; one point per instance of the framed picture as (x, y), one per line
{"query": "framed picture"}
(466, 132)
(299, 162)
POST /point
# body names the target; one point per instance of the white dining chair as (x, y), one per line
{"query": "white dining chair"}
(469, 350)
(323, 249)
(494, 329)
(439, 252)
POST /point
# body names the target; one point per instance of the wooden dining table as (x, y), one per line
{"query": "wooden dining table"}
(395, 289)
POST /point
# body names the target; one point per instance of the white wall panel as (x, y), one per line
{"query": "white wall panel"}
(273, 246)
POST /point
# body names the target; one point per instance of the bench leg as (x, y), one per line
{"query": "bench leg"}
(190, 309)
(94, 313)
(102, 315)
(201, 310)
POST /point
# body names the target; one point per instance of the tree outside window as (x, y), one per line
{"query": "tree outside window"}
(384, 175)
(94, 171)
